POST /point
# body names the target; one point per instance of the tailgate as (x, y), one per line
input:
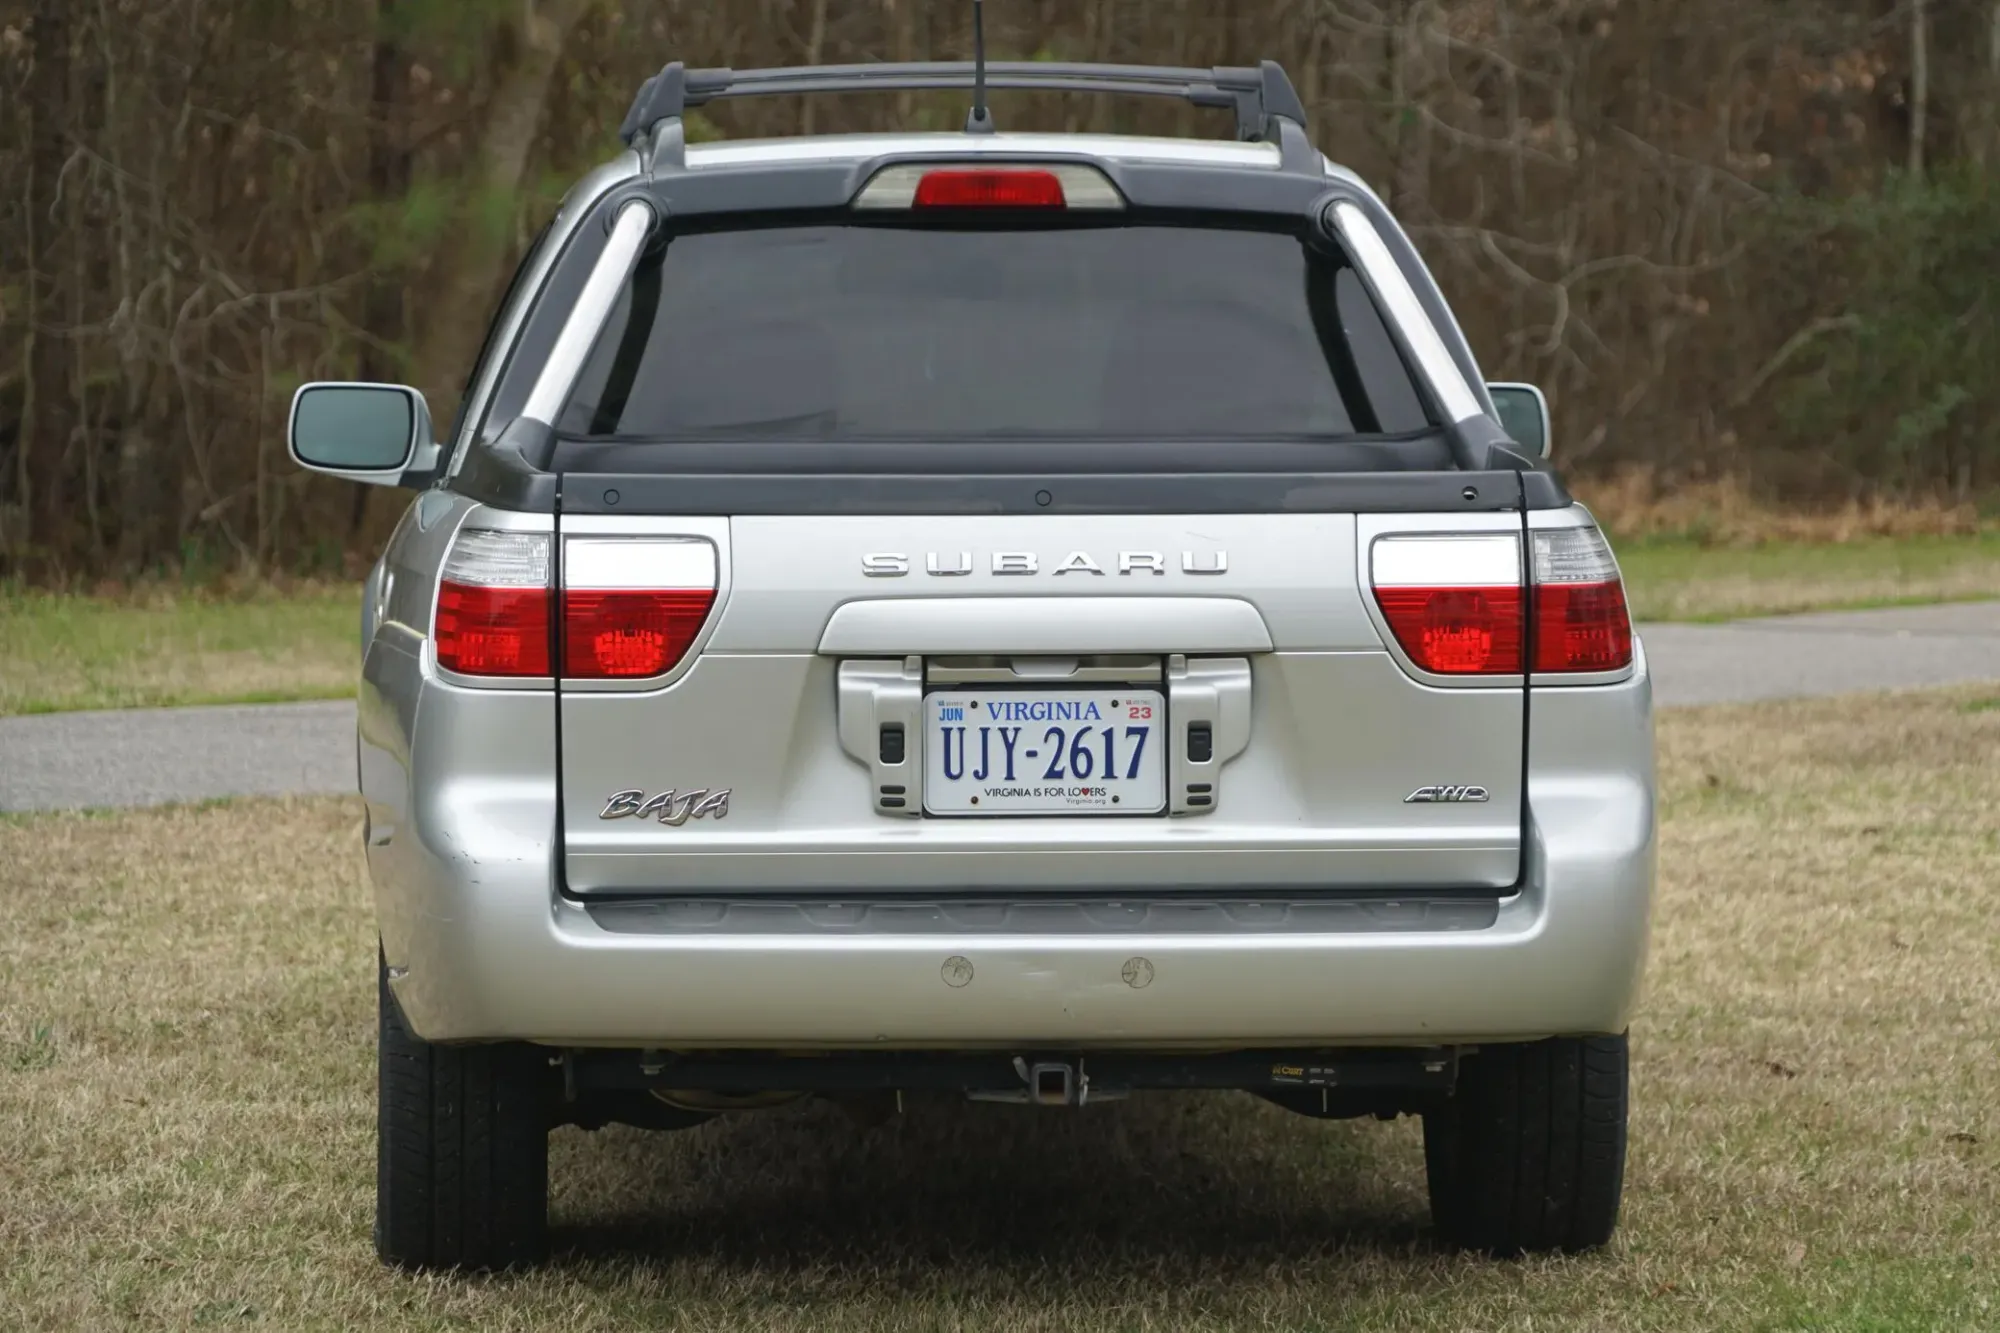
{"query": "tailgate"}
(954, 550)
(856, 713)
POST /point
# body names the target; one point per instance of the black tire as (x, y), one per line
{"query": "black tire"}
(1528, 1155)
(462, 1150)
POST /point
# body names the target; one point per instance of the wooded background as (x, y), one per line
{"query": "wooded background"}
(1746, 238)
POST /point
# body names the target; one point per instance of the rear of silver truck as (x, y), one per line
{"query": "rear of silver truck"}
(1044, 592)
(1011, 623)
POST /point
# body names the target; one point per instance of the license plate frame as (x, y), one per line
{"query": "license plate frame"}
(1139, 790)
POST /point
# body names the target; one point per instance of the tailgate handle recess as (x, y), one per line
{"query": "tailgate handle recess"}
(1208, 707)
(879, 703)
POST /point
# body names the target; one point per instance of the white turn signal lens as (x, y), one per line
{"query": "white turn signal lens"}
(1581, 621)
(493, 605)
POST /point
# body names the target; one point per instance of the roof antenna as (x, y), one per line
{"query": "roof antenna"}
(980, 121)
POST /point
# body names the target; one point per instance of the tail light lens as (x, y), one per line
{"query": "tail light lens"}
(1453, 603)
(493, 605)
(1581, 622)
(1457, 631)
(633, 606)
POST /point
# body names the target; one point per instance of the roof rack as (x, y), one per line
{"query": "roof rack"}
(1261, 95)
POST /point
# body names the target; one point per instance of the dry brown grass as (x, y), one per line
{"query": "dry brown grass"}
(1636, 502)
(1713, 551)
(186, 1095)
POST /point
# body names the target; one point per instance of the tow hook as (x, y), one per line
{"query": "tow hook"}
(1044, 1083)
(1054, 1082)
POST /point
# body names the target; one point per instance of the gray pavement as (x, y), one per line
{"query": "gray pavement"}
(152, 756)
(1833, 652)
(148, 757)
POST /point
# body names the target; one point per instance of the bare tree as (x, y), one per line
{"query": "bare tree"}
(502, 144)
(45, 431)
(1673, 216)
(1920, 83)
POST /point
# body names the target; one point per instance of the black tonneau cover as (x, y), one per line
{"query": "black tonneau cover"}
(500, 475)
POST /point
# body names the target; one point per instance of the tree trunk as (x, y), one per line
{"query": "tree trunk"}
(137, 484)
(1988, 150)
(505, 138)
(1409, 91)
(46, 403)
(815, 44)
(1920, 82)
(382, 317)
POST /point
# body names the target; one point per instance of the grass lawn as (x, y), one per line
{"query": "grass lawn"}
(187, 1085)
(156, 648)
(1681, 580)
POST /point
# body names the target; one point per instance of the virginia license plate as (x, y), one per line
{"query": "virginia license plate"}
(1051, 751)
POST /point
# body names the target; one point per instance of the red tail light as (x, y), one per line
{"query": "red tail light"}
(989, 187)
(1453, 603)
(609, 635)
(1457, 631)
(1581, 622)
(493, 605)
(632, 607)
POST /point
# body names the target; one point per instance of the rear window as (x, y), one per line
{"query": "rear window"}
(846, 331)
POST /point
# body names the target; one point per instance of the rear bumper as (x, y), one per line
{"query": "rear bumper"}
(559, 976)
(484, 946)
(493, 956)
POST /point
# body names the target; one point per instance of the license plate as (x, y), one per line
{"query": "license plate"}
(1045, 752)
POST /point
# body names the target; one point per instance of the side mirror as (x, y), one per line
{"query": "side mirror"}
(377, 433)
(1524, 414)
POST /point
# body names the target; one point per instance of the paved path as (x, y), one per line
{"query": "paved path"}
(1832, 652)
(144, 757)
(148, 756)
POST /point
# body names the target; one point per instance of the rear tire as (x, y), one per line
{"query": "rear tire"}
(462, 1149)
(1528, 1155)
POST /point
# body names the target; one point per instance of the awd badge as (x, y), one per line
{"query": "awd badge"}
(1425, 795)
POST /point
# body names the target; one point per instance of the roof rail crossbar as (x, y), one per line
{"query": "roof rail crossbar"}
(1258, 94)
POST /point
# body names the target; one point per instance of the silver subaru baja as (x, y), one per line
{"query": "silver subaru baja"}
(1032, 616)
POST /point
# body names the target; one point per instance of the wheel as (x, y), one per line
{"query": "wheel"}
(462, 1149)
(1528, 1154)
